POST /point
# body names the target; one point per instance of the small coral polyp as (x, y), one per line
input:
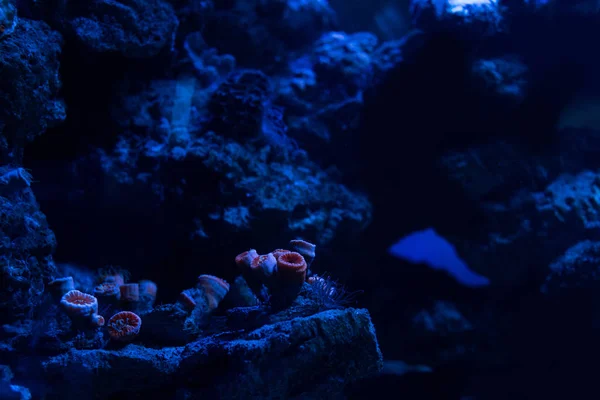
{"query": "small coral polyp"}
(108, 291)
(79, 304)
(282, 272)
(114, 275)
(124, 326)
(186, 301)
(97, 320)
(244, 260)
(265, 265)
(148, 289)
(291, 267)
(215, 289)
(279, 252)
(82, 309)
(305, 248)
(130, 292)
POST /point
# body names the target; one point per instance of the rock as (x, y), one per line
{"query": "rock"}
(264, 33)
(8, 17)
(29, 102)
(26, 247)
(578, 267)
(470, 18)
(134, 28)
(321, 353)
(9, 391)
(505, 77)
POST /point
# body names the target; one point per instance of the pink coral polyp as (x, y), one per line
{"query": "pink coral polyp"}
(124, 326)
(79, 304)
(291, 268)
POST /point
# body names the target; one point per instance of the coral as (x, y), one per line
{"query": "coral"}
(148, 291)
(187, 301)
(329, 293)
(264, 265)
(97, 321)
(215, 289)
(277, 278)
(244, 259)
(291, 267)
(130, 292)
(124, 326)
(82, 309)
(78, 304)
(264, 32)
(306, 249)
(108, 292)
(113, 274)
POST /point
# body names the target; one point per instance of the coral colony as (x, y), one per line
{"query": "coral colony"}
(277, 277)
(212, 323)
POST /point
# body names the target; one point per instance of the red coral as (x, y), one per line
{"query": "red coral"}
(291, 268)
(124, 326)
(79, 304)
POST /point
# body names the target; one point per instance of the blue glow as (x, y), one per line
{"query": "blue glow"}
(457, 6)
(429, 248)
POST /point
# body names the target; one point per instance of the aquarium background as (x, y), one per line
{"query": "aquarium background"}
(299, 199)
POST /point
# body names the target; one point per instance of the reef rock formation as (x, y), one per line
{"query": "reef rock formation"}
(29, 89)
(26, 246)
(305, 356)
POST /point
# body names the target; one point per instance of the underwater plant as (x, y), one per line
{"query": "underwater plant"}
(329, 293)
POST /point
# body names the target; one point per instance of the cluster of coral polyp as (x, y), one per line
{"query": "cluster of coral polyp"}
(111, 293)
(206, 296)
(279, 275)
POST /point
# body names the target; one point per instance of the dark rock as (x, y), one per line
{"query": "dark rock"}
(263, 33)
(323, 352)
(10, 391)
(134, 28)
(26, 247)
(577, 268)
(29, 90)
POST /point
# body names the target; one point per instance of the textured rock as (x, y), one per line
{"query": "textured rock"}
(506, 77)
(535, 207)
(260, 169)
(319, 353)
(322, 91)
(135, 28)
(26, 247)
(29, 102)
(578, 267)
(265, 32)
